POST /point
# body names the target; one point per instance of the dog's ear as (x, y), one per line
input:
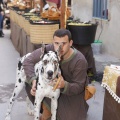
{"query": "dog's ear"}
(43, 50)
(59, 51)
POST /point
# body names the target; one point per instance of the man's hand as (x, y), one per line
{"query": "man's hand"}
(33, 89)
(59, 85)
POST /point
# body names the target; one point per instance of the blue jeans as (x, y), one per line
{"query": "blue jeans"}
(1, 21)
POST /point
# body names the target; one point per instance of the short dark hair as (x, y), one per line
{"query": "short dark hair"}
(62, 32)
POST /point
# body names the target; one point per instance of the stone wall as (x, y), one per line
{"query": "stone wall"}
(108, 30)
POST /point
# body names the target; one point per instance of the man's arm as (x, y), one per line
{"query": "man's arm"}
(29, 64)
(78, 81)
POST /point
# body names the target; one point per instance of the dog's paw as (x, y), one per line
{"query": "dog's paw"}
(30, 108)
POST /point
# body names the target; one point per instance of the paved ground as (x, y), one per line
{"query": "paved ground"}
(8, 62)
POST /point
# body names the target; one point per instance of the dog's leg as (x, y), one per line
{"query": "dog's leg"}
(37, 105)
(18, 87)
(53, 108)
(29, 106)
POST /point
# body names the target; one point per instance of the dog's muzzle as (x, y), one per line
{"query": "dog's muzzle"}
(50, 74)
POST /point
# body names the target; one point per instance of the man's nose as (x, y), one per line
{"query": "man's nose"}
(61, 45)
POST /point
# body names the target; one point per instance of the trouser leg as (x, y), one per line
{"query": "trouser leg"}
(46, 113)
(28, 88)
(1, 20)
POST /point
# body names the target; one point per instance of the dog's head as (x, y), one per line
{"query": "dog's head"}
(50, 65)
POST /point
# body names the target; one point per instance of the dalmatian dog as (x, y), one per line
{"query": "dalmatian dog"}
(46, 70)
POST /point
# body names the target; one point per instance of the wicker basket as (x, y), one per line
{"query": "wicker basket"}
(26, 26)
(42, 33)
(18, 19)
(12, 15)
(15, 17)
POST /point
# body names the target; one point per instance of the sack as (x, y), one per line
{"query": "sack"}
(89, 92)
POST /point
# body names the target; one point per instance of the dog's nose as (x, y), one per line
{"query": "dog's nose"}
(50, 73)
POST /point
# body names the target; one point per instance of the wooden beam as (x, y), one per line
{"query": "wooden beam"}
(63, 17)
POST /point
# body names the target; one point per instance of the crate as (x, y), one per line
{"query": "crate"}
(42, 33)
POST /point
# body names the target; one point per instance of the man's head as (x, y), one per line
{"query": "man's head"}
(62, 36)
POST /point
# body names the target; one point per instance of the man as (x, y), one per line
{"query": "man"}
(71, 103)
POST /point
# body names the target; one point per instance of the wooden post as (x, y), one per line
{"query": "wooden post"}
(63, 17)
(41, 6)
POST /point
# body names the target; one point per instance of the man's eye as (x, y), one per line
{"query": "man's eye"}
(45, 62)
(64, 43)
(56, 43)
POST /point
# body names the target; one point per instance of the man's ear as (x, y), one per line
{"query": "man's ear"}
(71, 43)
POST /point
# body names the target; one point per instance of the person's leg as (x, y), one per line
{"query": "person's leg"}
(2, 21)
(28, 88)
(1, 26)
(46, 114)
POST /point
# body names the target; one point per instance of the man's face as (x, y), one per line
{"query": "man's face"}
(66, 44)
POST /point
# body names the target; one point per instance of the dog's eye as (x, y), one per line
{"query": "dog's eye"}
(45, 62)
(55, 62)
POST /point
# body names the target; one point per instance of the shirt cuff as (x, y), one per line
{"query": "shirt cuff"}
(30, 81)
(63, 90)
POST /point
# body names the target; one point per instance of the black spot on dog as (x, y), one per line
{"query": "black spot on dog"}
(19, 65)
(55, 67)
(39, 84)
(14, 95)
(53, 97)
(16, 86)
(48, 55)
(37, 71)
(42, 70)
(19, 81)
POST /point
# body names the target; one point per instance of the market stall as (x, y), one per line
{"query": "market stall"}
(29, 30)
(111, 83)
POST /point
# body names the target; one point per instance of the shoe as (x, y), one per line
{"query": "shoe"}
(1, 34)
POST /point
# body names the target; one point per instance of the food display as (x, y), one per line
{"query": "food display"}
(79, 24)
(53, 13)
(35, 18)
(21, 4)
